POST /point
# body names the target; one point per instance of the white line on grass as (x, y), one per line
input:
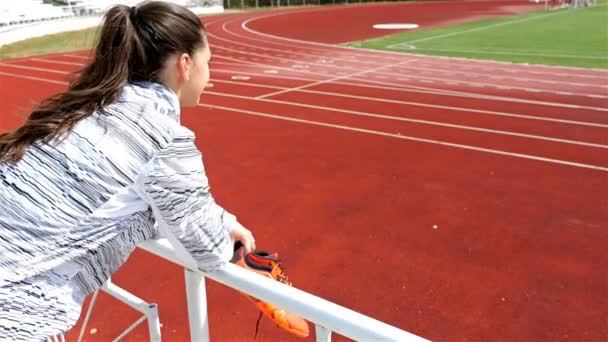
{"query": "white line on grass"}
(481, 28)
(514, 53)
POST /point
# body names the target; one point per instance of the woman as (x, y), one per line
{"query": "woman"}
(105, 165)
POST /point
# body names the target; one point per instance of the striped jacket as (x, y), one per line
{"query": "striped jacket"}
(73, 210)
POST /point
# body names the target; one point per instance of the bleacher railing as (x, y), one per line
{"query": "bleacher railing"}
(328, 317)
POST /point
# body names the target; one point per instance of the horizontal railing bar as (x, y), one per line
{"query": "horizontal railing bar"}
(315, 309)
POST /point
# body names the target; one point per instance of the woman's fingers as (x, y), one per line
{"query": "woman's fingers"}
(244, 235)
(249, 242)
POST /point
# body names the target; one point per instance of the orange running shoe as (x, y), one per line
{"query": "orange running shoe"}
(269, 266)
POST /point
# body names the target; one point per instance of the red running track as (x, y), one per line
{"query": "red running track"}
(459, 200)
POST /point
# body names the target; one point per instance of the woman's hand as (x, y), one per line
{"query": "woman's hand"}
(244, 235)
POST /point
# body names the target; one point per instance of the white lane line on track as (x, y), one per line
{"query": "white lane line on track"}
(51, 71)
(547, 90)
(473, 85)
(453, 94)
(405, 137)
(75, 56)
(418, 121)
(398, 136)
(428, 105)
(438, 91)
(33, 78)
(46, 60)
(329, 80)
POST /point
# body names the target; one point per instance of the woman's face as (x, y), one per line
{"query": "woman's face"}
(198, 78)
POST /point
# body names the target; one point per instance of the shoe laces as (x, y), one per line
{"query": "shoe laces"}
(284, 279)
(281, 276)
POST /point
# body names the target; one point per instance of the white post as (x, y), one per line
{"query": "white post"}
(197, 306)
(323, 334)
(153, 323)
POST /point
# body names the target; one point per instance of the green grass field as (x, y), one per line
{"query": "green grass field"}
(569, 37)
(60, 42)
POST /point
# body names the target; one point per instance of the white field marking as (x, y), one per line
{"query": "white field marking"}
(414, 68)
(328, 80)
(503, 77)
(224, 29)
(513, 67)
(241, 77)
(76, 56)
(411, 87)
(418, 121)
(474, 84)
(234, 62)
(425, 105)
(395, 26)
(449, 93)
(329, 47)
(405, 137)
(377, 116)
(508, 53)
(412, 76)
(52, 71)
(56, 62)
(18, 60)
(398, 136)
(443, 93)
(482, 28)
(33, 78)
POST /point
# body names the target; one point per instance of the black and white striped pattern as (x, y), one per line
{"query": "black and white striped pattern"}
(72, 211)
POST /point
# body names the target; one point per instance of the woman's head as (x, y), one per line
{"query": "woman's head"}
(154, 41)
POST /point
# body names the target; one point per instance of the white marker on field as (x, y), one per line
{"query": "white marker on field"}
(241, 77)
(395, 26)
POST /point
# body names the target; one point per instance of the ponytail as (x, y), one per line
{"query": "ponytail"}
(133, 44)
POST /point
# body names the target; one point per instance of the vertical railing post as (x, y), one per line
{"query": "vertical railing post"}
(153, 323)
(197, 306)
(323, 334)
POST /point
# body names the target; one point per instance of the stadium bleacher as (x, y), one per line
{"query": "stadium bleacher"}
(28, 11)
(32, 11)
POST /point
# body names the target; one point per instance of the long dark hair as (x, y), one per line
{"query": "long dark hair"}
(133, 45)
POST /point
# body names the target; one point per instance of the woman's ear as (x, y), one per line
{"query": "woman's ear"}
(184, 64)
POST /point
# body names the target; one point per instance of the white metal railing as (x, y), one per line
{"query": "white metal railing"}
(327, 316)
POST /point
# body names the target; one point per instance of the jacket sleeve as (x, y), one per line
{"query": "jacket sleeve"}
(175, 185)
